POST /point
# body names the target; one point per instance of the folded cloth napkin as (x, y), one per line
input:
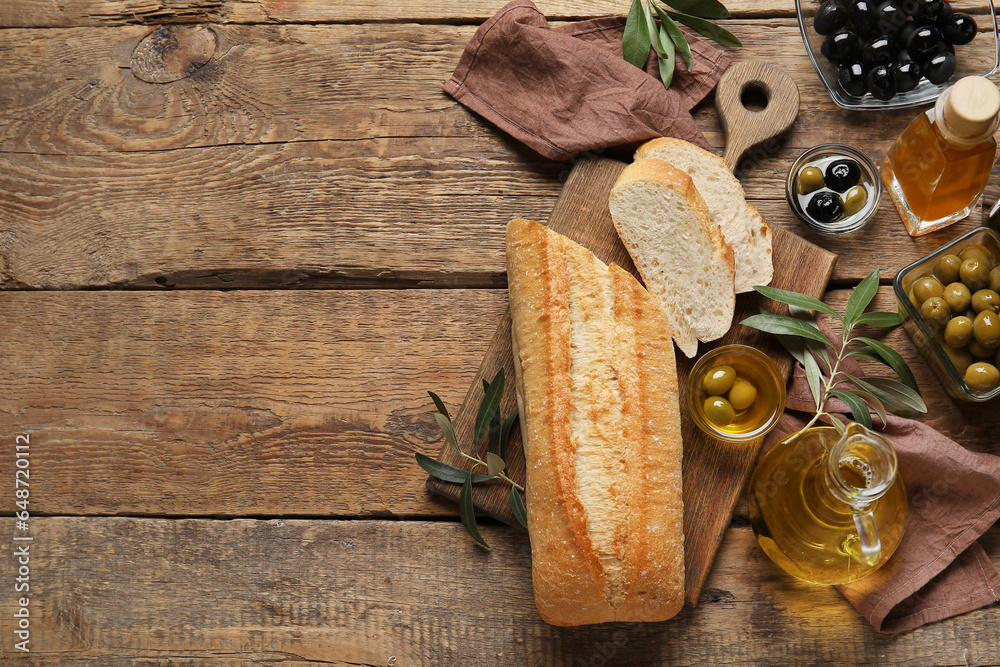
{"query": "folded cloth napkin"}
(939, 569)
(568, 89)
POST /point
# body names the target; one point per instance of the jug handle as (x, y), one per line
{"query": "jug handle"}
(871, 544)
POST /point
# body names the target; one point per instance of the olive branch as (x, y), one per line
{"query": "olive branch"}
(801, 336)
(489, 421)
(667, 39)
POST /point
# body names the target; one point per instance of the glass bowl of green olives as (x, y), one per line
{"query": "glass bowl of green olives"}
(833, 189)
(735, 393)
(949, 302)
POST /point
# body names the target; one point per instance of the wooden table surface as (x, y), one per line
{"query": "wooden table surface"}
(224, 293)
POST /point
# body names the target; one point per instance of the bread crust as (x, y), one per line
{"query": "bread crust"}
(601, 428)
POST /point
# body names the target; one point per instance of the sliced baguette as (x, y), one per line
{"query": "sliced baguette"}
(598, 396)
(728, 209)
(683, 259)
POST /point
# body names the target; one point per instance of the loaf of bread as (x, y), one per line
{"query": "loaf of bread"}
(728, 209)
(598, 398)
(683, 259)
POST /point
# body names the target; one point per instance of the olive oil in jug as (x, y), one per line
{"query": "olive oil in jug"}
(826, 508)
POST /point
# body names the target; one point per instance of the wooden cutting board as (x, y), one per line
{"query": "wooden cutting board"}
(714, 472)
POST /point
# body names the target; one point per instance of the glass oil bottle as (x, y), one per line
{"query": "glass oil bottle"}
(827, 508)
(937, 169)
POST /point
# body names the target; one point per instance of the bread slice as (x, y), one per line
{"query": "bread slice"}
(728, 209)
(683, 259)
(598, 396)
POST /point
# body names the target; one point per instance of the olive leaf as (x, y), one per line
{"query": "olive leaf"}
(635, 41)
(789, 326)
(448, 430)
(673, 32)
(489, 405)
(709, 9)
(439, 404)
(892, 393)
(517, 506)
(860, 297)
(494, 464)
(468, 512)
(641, 32)
(707, 29)
(872, 402)
(815, 378)
(795, 299)
(892, 359)
(858, 408)
(878, 318)
(445, 472)
(489, 417)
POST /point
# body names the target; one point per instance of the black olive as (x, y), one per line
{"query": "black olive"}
(929, 9)
(890, 18)
(940, 67)
(852, 79)
(825, 206)
(829, 17)
(946, 13)
(907, 74)
(863, 17)
(959, 29)
(842, 174)
(903, 36)
(841, 46)
(879, 51)
(923, 42)
(882, 83)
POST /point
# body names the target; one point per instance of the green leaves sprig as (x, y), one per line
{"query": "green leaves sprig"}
(495, 428)
(666, 38)
(803, 339)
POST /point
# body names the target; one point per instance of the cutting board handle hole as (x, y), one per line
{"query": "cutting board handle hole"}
(754, 96)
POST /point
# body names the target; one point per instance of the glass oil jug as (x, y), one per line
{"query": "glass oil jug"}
(827, 508)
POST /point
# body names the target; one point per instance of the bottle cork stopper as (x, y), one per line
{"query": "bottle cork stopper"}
(972, 106)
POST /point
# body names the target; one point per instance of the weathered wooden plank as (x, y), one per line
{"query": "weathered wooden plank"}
(40, 14)
(235, 403)
(278, 403)
(126, 591)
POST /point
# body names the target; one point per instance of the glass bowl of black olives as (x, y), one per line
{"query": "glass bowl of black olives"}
(891, 54)
(833, 189)
(949, 301)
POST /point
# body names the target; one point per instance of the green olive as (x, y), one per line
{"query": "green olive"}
(946, 269)
(958, 297)
(958, 331)
(986, 329)
(995, 279)
(935, 312)
(977, 350)
(975, 274)
(719, 379)
(742, 395)
(978, 251)
(985, 299)
(982, 376)
(960, 357)
(913, 299)
(810, 179)
(719, 411)
(927, 287)
(855, 199)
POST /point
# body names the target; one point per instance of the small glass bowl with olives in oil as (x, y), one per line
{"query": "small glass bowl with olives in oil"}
(735, 393)
(949, 301)
(833, 189)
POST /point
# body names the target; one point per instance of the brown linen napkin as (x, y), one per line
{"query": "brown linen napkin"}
(939, 569)
(567, 89)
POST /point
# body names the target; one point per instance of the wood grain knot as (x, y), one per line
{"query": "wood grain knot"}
(173, 52)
